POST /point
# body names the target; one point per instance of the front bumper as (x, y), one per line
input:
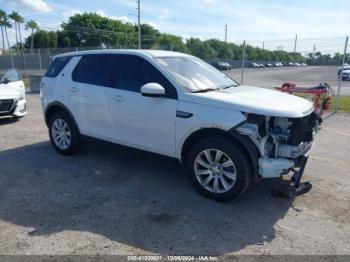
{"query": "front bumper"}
(281, 151)
(346, 76)
(289, 157)
(18, 109)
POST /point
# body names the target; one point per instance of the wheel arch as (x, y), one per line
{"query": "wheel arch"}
(55, 107)
(240, 140)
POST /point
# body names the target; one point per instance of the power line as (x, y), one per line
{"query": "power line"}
(81, 29)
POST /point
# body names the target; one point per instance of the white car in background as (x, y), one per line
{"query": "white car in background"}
(12, 95)
(346, 74)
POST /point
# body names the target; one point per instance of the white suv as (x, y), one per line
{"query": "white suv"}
(179, 106)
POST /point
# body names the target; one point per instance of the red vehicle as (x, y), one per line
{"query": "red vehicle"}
(321, 94)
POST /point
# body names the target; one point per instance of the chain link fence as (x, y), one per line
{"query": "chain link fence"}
(324, 57)
(311, 61)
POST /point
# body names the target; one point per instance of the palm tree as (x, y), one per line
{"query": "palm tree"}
(5, 23)
(20, 20)
(33, 26)
(14, 16)
(2, 17)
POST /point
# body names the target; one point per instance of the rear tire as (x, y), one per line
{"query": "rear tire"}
(64, 134)
(225, 175)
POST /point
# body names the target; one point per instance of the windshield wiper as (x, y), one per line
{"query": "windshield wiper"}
(228, 86)
(204, 90)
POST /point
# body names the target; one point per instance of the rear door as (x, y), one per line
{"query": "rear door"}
(146, 123)
(90, 79)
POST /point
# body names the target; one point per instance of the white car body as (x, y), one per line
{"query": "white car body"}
(12, 96)
(163, 125)
(345, 68)
(346, 74)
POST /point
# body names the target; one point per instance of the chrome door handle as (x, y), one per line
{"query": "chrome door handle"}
(118, 98)
(74, 89)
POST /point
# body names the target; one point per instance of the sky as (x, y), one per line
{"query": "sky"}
(272, 23)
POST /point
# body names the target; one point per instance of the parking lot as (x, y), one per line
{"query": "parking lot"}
(115, 200)
(307, 76)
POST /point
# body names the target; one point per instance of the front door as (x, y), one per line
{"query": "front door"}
(143, 122)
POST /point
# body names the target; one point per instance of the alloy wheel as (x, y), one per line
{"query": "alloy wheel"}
(215, 171)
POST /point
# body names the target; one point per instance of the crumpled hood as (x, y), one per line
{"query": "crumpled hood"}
(255, 100)
(7, 92)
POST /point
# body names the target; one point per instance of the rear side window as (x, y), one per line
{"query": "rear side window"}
(93, 70)
(131, 72)
(56, 66)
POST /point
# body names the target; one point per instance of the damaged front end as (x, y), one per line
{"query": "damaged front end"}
(283, 143)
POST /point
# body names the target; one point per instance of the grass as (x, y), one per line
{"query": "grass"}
(26, 82)
(344, 102)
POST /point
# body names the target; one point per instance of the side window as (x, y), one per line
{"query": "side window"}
(93, 70)
(56, 66)
(131, 72)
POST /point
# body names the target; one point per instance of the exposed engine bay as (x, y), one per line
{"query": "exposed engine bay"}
(282, 142)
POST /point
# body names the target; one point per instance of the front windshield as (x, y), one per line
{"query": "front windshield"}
(194, 75)
(11, 76)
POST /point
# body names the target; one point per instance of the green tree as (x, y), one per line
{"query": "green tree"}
(90, 29)
(200, 48)
(222, 49)
(20, 20)
(63, 39)
(5, 23)
(14, 16)
(2, 18)
(149, 35)
(170, 42)
(42, 39)
(32, 25)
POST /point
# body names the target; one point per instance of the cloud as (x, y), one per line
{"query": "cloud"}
(155, 25)
(101, 13)
(37, 5)
(121, 18)
(255, 21)
(70, 12)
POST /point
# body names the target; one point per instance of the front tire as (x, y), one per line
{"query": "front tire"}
(219, 169)
(64, 134)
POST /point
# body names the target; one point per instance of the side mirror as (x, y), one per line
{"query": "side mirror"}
(152, 90)
(5, 80)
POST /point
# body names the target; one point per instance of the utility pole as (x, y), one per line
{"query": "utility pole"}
(243, 62)
(341, 75)
(295, 45)
(314, 53)
(226, 33)
(139, 22)
(263, 45)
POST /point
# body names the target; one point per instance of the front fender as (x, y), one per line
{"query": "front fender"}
(202, 117)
